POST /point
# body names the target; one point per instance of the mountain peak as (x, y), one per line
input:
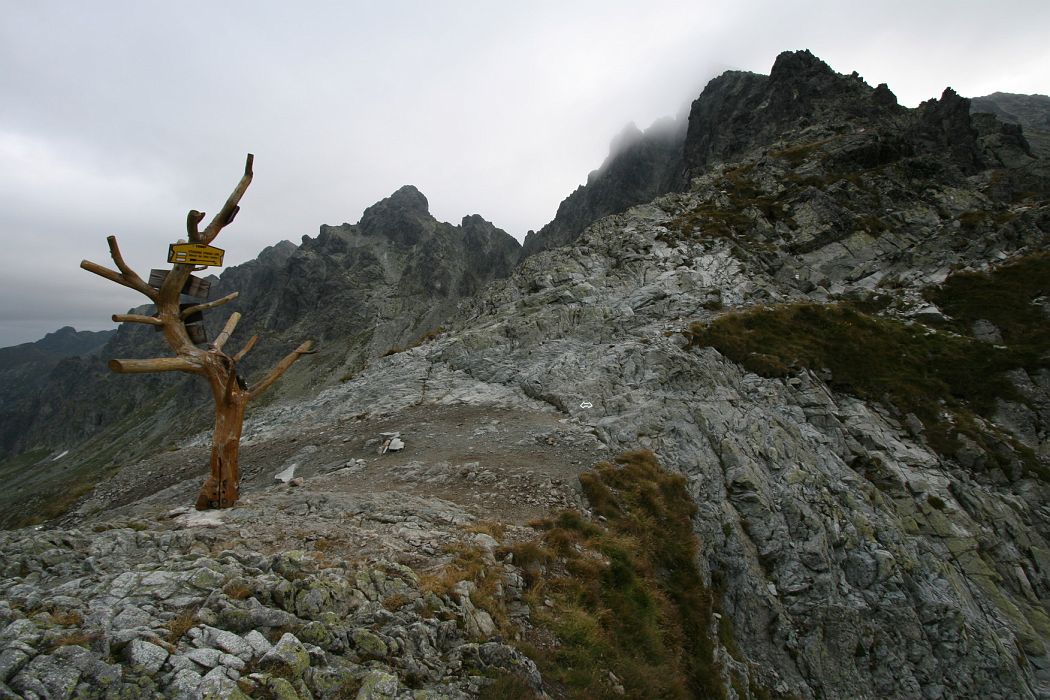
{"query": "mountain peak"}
(408, 197)
(793, 63)
(403, 217)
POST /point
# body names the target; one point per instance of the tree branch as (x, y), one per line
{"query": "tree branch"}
(247, 346)
(280, 369)
(105, 272)
(190, 310)
(136, 318)
(129, 275)
(230, 209)
(227, 331)
(193, 220)
(156, 364)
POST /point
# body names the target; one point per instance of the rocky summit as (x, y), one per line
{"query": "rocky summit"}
(771, 419)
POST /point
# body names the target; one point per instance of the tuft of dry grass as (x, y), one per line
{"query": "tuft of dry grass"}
(470, 564)
(82, 638)
(67, 618)
(238, 589)
(495, 530)
(181, 624)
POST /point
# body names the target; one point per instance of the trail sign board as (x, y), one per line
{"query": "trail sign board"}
(195, 286)
(195, 254)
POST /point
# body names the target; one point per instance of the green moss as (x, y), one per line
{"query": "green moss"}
(945, 379)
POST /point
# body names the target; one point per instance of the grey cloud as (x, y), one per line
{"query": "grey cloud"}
(134, 113)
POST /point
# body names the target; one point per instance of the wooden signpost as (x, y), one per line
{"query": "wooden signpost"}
(177, 321)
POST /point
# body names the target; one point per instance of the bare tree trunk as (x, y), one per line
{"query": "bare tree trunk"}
(222, 487)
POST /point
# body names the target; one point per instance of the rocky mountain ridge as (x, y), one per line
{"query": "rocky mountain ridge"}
(779, 334)
(24, 369)
(738, 111)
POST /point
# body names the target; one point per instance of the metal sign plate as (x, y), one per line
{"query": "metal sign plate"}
(195, 254)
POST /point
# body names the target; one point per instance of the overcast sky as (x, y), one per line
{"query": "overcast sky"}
(119, 117)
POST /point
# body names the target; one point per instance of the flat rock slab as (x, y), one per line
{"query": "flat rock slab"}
(201, 518)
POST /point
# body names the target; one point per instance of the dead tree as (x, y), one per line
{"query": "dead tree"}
(230, 392)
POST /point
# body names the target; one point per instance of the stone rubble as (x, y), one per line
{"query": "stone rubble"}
(148, 608)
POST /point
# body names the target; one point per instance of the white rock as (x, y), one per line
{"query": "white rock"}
(285, 476)
(201, 518)
(146, 655)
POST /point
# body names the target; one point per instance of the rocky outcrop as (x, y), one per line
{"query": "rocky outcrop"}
(1031, 112)
(392, 276)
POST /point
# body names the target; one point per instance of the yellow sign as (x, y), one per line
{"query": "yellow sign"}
(195, 254)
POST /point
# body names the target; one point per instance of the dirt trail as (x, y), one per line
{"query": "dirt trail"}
(510, 465)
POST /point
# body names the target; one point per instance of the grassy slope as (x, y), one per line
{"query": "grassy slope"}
(948, 379)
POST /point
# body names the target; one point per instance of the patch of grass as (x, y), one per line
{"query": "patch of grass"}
(470, 564)
(495, 530)
(736, 219)
(67, 618)
(238, 589)
(797, 155)
(625, 596)
(395, 602)
(82, 638)
(324, 544)
(430, 335)
(27, 460)
(507, 686)
(425, 338)
(1005, 297)
(181, 623)
(946, 380)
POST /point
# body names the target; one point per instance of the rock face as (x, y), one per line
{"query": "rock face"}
(1032, 112)
(640, 166)
(856, 559)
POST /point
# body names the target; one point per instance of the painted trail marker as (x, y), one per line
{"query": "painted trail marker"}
(195, 254)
